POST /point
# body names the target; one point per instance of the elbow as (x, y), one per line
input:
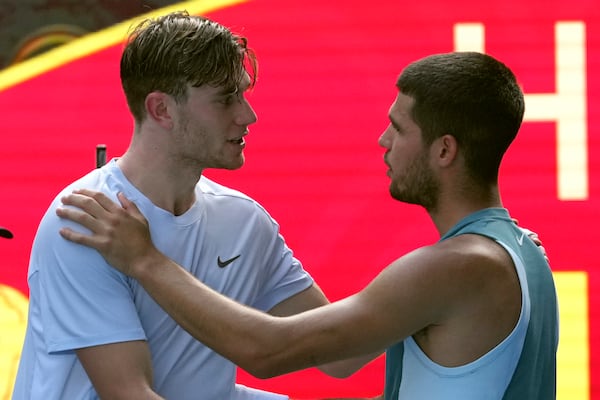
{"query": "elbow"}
(337, 374)
(126, 392)
(264, 361)
(262, 365)
(262, 373)
(338, 370)
(273, 351)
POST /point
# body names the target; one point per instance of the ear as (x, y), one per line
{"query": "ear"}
(159, 107)
(445, 150)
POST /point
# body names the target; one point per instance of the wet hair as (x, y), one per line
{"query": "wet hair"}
(471, 96)
(178, 50)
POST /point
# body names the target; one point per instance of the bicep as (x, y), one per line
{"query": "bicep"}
(430, 286)
(119, 370)
(404, 298)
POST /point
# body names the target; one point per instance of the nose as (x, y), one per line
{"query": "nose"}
(384, 139)
(246, 115)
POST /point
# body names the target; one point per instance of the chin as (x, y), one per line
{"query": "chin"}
(236, 164)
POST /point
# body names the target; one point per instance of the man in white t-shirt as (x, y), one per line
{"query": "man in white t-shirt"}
(95, 333)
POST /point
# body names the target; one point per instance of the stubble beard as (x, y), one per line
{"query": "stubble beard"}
(418, 186)
(193, 141)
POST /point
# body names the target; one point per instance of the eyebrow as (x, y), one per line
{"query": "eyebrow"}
(241, 87)
(225, 91)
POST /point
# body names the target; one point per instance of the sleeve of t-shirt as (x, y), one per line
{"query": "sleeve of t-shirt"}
(84, 302)
(282, 275)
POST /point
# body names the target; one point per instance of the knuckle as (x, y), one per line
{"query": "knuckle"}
(95, 196)
(86, 201)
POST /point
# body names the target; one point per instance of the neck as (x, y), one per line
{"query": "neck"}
(454, 206)
(170, 187)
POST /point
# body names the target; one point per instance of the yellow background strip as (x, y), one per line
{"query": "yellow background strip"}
(97, 41)
(573, 370)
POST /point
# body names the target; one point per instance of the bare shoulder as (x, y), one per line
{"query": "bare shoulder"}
(475, 287)
(476, 270)
(462, 261)
(461, 293)
(458, 298)
(475, 254)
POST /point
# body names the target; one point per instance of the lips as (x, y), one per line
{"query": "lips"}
(385, 160)
(239, 140)
(387, 164)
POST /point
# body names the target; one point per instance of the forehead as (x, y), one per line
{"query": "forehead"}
(236, 87)
(401, 109)
(220, 91)
(402, 106)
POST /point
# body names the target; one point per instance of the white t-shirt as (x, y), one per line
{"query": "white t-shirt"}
(226, 240)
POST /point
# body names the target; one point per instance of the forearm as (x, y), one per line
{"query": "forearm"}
(262, 344)
(215, 320)
(309, 299)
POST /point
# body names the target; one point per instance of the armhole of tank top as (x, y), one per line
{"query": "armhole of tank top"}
(517, 333)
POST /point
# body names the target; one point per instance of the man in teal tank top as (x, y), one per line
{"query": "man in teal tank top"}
(472, 316)
(511, 369)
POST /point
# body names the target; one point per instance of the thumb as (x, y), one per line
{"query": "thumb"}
(131, 208)
(126, 203)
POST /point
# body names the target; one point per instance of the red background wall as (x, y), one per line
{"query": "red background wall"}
(326, 80)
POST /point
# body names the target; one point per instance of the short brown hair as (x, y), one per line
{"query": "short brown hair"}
(177, 50)
(471, 96)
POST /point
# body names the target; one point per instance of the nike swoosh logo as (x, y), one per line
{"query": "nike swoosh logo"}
(224, 263)
(519, 239)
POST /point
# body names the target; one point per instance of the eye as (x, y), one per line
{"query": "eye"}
(394, 124)
(227, 100)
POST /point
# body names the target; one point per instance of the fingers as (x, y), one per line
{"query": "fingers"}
(84, 218)
(527, 231)
(91, 209)
(82, 201)
(77, 237)
(96, 203)
(535, 239)
(131, 208)
(532, 235)
(93, 196)
(126, 203)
